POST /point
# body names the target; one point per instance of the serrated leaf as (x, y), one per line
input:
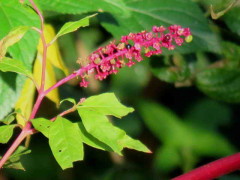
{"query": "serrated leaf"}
(13, 65)
(12, 37)
(220, 83)
(106, 104)
(98, 125)
(43, 125)
(73, 26)
(91, 140)
(131, 143)
(65, 142)
(25, 102)
(6, 132)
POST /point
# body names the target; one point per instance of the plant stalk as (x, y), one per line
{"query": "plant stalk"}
(214, 169)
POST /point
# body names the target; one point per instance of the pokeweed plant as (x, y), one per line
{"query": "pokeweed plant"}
(66, 138)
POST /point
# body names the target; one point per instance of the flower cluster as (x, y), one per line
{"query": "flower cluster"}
(131, 48)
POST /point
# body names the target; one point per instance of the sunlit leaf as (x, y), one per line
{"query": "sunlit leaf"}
(65, 142)
(91, 140)
(73, 26)
(93, 113)
(43, 125)
(13, 65)
(6, 132)
(12, 37)
(106, 104)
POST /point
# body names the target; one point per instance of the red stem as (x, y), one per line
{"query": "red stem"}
(15, 144)
(214, 169)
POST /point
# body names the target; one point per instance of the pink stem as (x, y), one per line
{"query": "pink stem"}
(15, 144)
(27, 129)
(36, 106)
(45, 47)
(81, 71)
(214, 169)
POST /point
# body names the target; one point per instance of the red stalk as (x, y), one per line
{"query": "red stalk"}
(214, 169)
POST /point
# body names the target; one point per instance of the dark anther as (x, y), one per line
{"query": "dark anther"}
(128, 46)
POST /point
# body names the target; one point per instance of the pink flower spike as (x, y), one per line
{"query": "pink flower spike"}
(109, 59)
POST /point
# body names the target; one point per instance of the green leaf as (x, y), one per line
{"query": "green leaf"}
(13, 15)
(98, 125)
(231, 51)
(12, 37)
(6, 132)
(10, 88)
(91, 140)
(106, 104)
(138, 15)
(8, 120)
(65, 142)
(13, 65)
(21, 150)
(220, 83)
(162, 158)
(232, 19)
(71, 100)
(75, 7)
(73, 26)
(43, 125)
(145, 14)
(180, 135)
(10, 117)
(14, 160)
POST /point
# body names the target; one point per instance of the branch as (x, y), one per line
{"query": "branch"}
(214, 169)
